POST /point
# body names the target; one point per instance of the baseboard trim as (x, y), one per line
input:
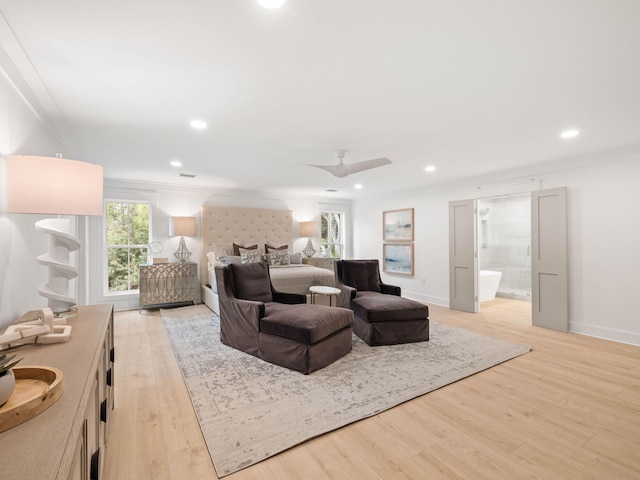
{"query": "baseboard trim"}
(621, 336)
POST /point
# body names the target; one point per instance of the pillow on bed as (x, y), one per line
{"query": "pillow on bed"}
(270, 248)
(250, 255)
(227, 259)
(279, 257)
(295, 258)
(211, 261)
(236, 248)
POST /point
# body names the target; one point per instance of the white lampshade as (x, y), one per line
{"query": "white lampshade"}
(49, 185)
(182, 226)
(308, 229)
(271, 3)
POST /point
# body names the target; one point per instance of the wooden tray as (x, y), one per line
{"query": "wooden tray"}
(37, 388)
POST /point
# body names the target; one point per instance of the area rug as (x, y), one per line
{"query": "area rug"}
(250, 410)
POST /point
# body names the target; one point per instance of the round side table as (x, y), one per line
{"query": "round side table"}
(322, 290)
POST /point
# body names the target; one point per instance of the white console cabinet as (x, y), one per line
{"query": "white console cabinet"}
(67, 441)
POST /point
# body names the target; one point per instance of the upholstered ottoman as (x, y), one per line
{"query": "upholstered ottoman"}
(304, 337)
(382, 319)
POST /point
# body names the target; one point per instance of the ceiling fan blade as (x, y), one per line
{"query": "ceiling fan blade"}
(365, 165)
(342, 170)
(332, 169)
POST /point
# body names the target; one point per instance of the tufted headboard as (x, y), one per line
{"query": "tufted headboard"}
(244, 226)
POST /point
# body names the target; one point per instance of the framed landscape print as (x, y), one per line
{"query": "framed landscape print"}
(397, 225)
(398, 258)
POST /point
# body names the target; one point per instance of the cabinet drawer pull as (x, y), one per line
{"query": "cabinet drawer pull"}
(104, 410)
(94, 472)
(109, 378)
(112, 354)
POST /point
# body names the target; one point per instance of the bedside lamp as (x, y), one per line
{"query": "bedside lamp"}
(57, 186)
(308, 229)
(183, 227)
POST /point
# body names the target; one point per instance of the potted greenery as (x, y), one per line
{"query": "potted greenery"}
(7, 379)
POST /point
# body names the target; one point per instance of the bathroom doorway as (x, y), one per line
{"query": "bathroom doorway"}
(504, 247)
(545, 256)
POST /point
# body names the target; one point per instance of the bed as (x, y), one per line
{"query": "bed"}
(222, 228)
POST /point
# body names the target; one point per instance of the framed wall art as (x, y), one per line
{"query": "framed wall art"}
(398, 258)
(397, 225)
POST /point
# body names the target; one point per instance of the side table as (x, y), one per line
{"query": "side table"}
(322, 290)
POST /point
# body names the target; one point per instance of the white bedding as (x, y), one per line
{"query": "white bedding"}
(292, 278)
(298, 278)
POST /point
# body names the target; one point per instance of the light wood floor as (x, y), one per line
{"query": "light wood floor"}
(569, 409)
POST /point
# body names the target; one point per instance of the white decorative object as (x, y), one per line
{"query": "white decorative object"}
(47, 185)
(61, 242)
(7, 379)
(155, 248)
(185, 227)
(308, 229)
(7, 386)
(41, 328)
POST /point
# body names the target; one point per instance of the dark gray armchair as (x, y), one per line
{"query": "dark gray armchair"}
(277, 327)
(382, 315)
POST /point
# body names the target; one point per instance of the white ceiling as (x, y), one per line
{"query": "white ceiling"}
(472, 87)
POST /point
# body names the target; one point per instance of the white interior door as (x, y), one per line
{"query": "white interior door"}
(549, 259)
(463, 261)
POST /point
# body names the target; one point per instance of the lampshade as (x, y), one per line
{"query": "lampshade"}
(308, 229)
(182, 226)
(49, 185)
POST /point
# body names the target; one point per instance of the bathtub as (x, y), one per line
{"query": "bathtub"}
(488, 285)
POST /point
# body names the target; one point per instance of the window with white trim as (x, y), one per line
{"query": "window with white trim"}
(332, 234)
(127, 244)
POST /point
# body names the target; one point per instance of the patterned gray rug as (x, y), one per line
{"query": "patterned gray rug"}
(250, 410)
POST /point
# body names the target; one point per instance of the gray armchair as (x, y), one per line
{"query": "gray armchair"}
(277, 327)
(382, 315)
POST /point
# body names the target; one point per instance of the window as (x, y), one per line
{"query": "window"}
(331, 234)
(127, 238)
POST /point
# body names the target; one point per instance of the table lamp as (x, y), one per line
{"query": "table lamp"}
(183, 227)
(309, 229)
(57, 186)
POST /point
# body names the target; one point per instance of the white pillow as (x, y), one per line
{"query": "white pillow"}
(295, 258)
(211, 261)
(227, 259)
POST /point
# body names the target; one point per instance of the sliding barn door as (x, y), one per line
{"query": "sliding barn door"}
(549, 259)
(463, 280)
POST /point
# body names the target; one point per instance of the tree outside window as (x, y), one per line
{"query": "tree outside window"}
(127, 234)
(331, 234)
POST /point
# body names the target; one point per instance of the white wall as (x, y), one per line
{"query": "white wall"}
(603, 237)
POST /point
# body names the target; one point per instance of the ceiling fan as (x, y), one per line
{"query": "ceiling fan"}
(341, 170)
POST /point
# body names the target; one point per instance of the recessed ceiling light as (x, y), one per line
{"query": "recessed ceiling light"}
(271, 3)
(175, 163)
(358, 186)
(430, 168)
(570, 133)
(199, 124)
